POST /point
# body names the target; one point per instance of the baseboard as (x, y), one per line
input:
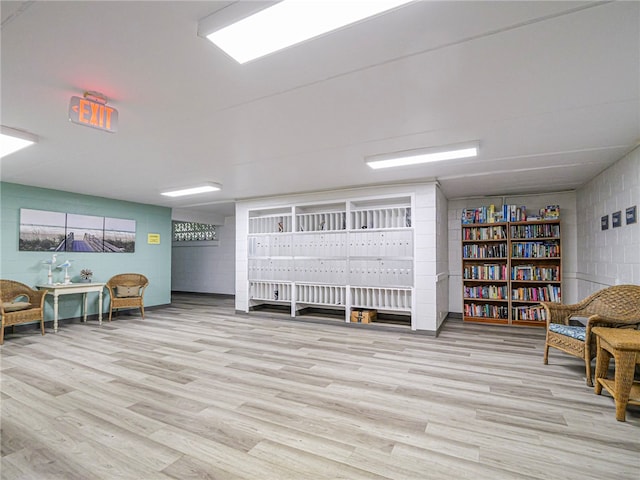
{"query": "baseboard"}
(204, 294)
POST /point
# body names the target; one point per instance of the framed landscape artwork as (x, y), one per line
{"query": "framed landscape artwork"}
(44, 231)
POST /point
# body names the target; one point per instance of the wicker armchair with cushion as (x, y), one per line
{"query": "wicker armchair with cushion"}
(19, 303)
(127, 291)
(617, 307)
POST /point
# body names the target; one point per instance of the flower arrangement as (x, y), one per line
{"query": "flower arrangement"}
(86, 274)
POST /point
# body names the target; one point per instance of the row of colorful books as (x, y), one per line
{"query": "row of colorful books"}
(535, 250)
(544, 230)
(488, 292)
(485, 251)
(508, 213)
(537, 313)
(485, 233)
(486, 310)
(536, 274)
(528, 313)
(485, 272)
(551, 212)
(549, 293)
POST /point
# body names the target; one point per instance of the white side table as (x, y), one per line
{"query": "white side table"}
(58, 289)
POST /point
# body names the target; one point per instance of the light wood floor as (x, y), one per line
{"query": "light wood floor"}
(196, 392)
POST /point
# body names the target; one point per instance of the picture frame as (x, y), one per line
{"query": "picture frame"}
(47, 231)
(616, 219)
(630, 215)
(604, 222)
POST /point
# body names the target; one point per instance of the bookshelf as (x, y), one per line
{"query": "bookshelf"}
(508, 268)
(536, 269)
(336, 256)
(485, 273)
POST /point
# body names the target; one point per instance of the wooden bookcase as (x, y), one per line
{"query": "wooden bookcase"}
(508, 268)
(536, 269)
(485, 272)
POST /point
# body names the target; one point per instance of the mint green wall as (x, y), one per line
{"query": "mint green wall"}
(154, 261)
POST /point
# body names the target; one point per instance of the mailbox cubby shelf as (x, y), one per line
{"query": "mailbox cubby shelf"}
(319, 218)
(339, 255)
(321, 295)
(270, 291)
(274, 221)
(388, 299)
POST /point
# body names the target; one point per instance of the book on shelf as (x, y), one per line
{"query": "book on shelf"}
(485, 272)
(551, 212)
(486, 311)
(535, 250)
(529, 313)
(467, 216)
(522, 272)
(484, 251)
(514, 213)
(548, 293)
(491, 214)
(486, 292)
(543, 230)
(506, 213)
(484, 214)
(495, 232)
(535, 273)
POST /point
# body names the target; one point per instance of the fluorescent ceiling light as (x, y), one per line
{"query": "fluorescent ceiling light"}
(204, 188)
(415, 157)
(12, 140)
(292, 21)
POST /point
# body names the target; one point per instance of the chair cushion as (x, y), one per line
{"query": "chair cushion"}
(15, 306)
(124, 291)
(579, 333)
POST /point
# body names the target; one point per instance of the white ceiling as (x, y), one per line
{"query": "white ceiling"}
(550, 89)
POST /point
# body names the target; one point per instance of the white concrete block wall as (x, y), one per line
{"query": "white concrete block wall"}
(242, 262)
(206, 268)
(567, 202)
(442, 258)
(425, 264)
(611, 256)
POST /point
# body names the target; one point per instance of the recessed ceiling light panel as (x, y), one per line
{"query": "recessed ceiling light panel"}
(427, 155)
(12, 140)
(290, 22)
(201, 188)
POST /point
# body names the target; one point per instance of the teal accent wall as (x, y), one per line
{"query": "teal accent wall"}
(153, 261)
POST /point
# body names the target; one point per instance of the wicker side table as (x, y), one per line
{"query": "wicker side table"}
(624, 345)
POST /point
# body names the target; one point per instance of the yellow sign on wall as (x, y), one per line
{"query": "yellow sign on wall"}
(153, 238)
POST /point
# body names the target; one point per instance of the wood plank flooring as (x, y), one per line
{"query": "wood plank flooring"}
(194, 391)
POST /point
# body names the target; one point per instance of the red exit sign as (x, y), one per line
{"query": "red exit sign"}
(93, 114)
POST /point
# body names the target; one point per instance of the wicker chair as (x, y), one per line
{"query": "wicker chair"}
(19, 303)
(617, 307)
(127, 291)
